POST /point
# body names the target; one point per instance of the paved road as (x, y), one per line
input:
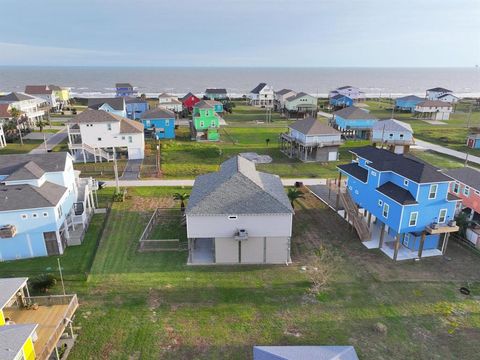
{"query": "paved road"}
(132, 170)
(183, 182)
(51, 142)
(444, 150)
(325, 114)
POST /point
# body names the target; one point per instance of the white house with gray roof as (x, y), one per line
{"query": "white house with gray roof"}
(44, 205)
(32, 108)
(262, 96)
(396, 135)
(238, 215)
(281, 96)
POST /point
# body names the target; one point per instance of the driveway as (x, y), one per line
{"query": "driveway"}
(444, 150)
(132, 170)
(52, 141)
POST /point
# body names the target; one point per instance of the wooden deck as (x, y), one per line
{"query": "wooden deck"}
(51, 323)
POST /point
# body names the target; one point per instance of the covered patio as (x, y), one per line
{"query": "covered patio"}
(201, 251)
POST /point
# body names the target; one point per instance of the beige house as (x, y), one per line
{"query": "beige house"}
(238, 215)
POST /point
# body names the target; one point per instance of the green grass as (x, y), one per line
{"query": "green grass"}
(17, 148)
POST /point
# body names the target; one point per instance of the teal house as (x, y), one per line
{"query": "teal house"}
(407, 103)
(354, 122)
(159, 122)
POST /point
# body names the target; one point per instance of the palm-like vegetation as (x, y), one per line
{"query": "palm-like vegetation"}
(182, 197)
(294, 194)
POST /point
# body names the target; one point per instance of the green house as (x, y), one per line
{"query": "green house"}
(205, 122)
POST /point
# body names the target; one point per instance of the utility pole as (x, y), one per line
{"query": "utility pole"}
(115, 169)
(20, 132)
(61, 275)
(45, 142)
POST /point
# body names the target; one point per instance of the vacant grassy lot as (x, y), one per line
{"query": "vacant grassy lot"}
(17, 148)
(152, 306)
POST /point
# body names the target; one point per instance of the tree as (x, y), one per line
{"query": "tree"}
(143, 97)
(267, 141)
(294, 194)
(15, 114)
(41, 124)
(181, 197)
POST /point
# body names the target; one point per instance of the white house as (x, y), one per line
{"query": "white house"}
(32, 107)
(439, 93)
(434, 110)
(93, 134)
(262, 96)
(281, 96)
(43, 92)
(3, 141)
(44, 205)
(352, 92)
(115, 105)
(238, 215)
(169, 102)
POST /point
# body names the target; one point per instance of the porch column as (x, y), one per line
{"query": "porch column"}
(445, 242)
(337, 205)
(397, 246)
(369, 221)
(382, 235)
(422, 243)
(65, 225)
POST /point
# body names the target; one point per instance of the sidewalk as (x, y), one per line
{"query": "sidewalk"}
(189, 183)
(444, 150)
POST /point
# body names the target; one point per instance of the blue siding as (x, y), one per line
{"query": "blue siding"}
(343, 101)
(164, 128)
(407, 104)
(135, 110)
(352, 124)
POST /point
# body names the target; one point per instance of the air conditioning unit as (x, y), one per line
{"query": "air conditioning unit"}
(241, 235)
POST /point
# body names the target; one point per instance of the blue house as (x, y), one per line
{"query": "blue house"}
(115, 106)
(124, 90)
(160, 122)
(354, 122)
(135, 107)
(340, 100)
(473, 141)
(395, 135)
(44, 206)
(407, 103)
(408, 201)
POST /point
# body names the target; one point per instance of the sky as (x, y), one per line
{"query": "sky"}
(263, 33)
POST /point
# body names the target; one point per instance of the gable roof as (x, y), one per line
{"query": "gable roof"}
(238, 188)
(48, 162)
(56, 87)
(408, 167)
(16, 96)
(439, 89)
(165, 95)
(312, 126)
(18, 197)
(12, 339)
(434, 103)
(123, 85)
(4, 111)
(354, 113)
(304, 353)
(355, 170)
(298, 96)
(188, 96)
(116, 103)
(447, 95)
(134, 100)
(392, 125)
(397, 193)
(216, 91)
(28, 171)
(204, 104)
(346, 87)
(38, 89)
(410, 98)
(158, 113)
(128, 126)
(94, 116)
(9, 287)
(340, 96)
(258, 88)
(466, 175)
(284, 91)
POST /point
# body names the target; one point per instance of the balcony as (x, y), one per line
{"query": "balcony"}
(51, 316)
(441, 228)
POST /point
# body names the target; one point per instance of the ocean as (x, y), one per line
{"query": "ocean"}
(375, 82)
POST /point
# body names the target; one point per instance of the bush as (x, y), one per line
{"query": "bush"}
(43, 282)
(119, 196)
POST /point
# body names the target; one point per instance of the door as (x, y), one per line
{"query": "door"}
(51, 243)
(332, 156)
(470, 143)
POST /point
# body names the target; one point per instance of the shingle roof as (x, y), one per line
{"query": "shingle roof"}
(397, 193)
(128, 126)
(158, 113)
(345, 87)
(354, 113)
(165, 95)
(117, 103)
(384, 160)
(216, 91)
(238, 188)
(134, 100)
(297, 96)
(445, 95)
(392, 125)
(204, 104)
(48, 162)
(312, 126)
(16, 96)
(410, 98)
(355, 170)
(95, 116)
(304, 353)
(340, 96)
(258, 88)
(38, 89)
(27, 172)
(439, 89)
(12, 339)
(284, 91)
(17, 197)
(55, 87)
(123, 85)
(9, 287)
(188, 95)
(467, 176)
(434, 103)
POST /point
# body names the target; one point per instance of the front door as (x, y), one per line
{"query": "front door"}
(51, 243)
(470, 143)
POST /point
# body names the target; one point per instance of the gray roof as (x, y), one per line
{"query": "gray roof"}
(134, 100)
(165, 95)
(298, 96)
(439, 89)
(158, 113)
(48, 162)
(204, 104)
(410, 98)
(12, 339)
(284, 91)
(392, 125)
(258, 88)
(354, 113)
(312, 126)
(18, 197)
(238, 188)
(216, 91)
(8, 288)
(15, 96)
(445, 95)
(467, 176)
(346, 87)
(397, 193)
(304, 353)
(116, 103)
(340, 96)
(95, 116)
(123, 85)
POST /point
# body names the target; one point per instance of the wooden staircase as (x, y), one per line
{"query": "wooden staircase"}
(96, 152)
(355, 217)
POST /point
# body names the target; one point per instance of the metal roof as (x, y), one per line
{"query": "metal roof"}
(392, 125)
(304, 353)
(12, 339)
(9, 287)
(312, 126)
(354, 113)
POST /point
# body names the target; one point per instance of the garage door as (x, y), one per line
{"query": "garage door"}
(134, 153)
(226, 251)
(332, 156)
(277, 250)
(252, 250)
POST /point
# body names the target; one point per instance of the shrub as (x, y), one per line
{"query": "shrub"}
(43, 282)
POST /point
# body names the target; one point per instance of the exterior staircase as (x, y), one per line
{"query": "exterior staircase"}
(355, 217)
(96, 152)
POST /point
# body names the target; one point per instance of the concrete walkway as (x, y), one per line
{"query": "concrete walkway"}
(51, 142)
(444, 150)
(132, 170)
(325, 114)
(184, 182)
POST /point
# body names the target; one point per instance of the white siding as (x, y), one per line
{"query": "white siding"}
(226, 251)
(277, 250)
(252, 250)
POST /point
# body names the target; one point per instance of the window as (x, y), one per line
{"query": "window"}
(34, 215)
(109, 126)
(374, 173)
(401, 136)
(99, 139)
(432, 194)
(45, 214)
(123, 137)
(405, 182)
(213, 123)
(442, 216)
(130, 139)
(232, 217)
(456, 188)
(380, 202)
(24, 216)
(413, 219)
(59, 211)
(202, 124)
(466, 191)
(386, 208)
(477, 192)
(391, 136)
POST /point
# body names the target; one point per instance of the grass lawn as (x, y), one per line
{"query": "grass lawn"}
(17, 148)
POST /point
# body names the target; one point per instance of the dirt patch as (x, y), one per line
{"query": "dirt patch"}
(139, 203)
(154, 300)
